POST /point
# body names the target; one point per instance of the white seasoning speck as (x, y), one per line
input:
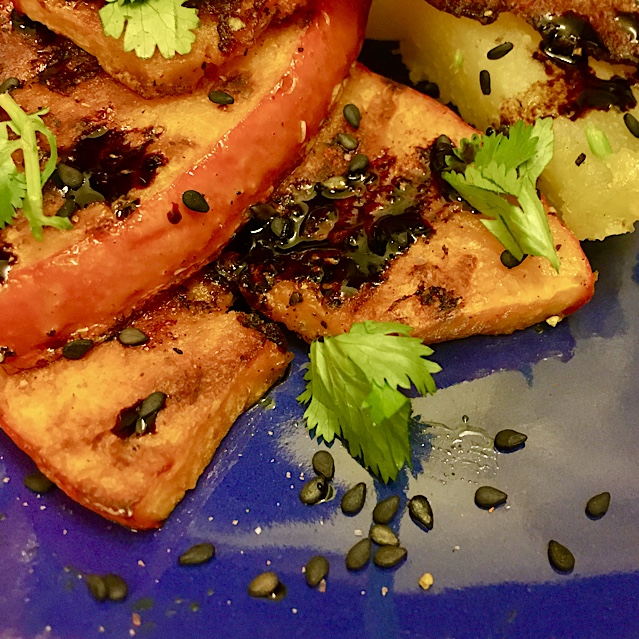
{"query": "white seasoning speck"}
(210, 518)
(43, 507)
(288, 474)
(358, 532)
(6, 480)
(141, 563)
(294, 610)
(101, 629)
(384, 591)
(258, 530)
(47, 628)
(426, 581)
(132, 632)
(363, 592)
(268, 562)
(235, 522)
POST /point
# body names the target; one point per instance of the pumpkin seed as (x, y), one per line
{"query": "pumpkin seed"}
(487, 497)
(420, 511)
(389, 556)
(358, 164)
(385, 510)
(198, 554)
(560, 558)
(221, 97)
(96, 587)
(597, 506)
(313, 491)
(152, 404)
(508, 441)
(353, 499)
(324, 464)
(195, 201)
(315, 570)
(382, 535)
(347, 141)
(77, 348)
(67, 209)
(9, 85)
(70, 177)
(38, 483)
(116, 587)
(352, 115)
(132, 336)
(264, 585)
(359, 555)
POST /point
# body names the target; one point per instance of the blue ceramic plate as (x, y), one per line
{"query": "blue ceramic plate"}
(573, 389)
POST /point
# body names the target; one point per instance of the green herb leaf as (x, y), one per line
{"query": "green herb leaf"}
(23, 189)
(500, 182)
(352, 391)
(148, 24)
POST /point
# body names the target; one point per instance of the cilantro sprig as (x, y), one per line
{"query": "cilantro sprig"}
(352, 391)
(148, 24)
(500, 182)
(22, 189)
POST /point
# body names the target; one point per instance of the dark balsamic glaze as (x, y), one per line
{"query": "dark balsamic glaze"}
(339, 238)
(629, 23)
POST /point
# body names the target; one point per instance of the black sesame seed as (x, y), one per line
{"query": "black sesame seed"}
(196, 555)
(508, 441)
(313, 491)
(324, 464)
(77, 348)
(581, 158)
(67, 209)
(509, 260)
(560, 558)
(315, 570)
(632, 124)
(358, 164)
(264, 585)
(598, 505)
(96, 587)
(347, 141)
(353, 499)
(132, 336)
(38, 483)
(195, 201)
(421, 512)
(9, 85)
(500, 51)
(487, 497)
(221, 97)
(382, 535)
(70, 177)
(116, 587)
(385, 510)
(352, 115)
(389, 556)
(484, 82)
(359, 555)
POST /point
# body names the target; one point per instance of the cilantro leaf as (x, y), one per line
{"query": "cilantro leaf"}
(23, 189)
(352, 391)
(148, 24)
(500, 182)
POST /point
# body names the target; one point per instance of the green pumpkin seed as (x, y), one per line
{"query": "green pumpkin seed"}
(353, 499)
(597, 506)
(315, 570)
(132, 336)
(221, 97)
(96, 587)
(77, 348)
(359, 555)
(508, 441)
(324, 464)
(382, 535)
(152, 404)
(198, 554)
(385, 510)
(67, 209)
(38, 483)
(352, 115)
(264, 585)
(389, 556)
(421, 512)
(347, 141)
(560, 558)
(116, 587)
(358, 164)
(70, 177)
(9, 85)
(487, 497)
(195, 201)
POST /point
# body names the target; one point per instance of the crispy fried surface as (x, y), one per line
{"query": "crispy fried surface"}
(227, 30)
(615, 22)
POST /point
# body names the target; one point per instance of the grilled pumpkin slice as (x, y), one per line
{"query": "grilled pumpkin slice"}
(337, 245)
(84, 423)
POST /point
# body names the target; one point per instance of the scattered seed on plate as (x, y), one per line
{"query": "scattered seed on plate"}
(426, 581)
(264, 585)
(221, 98)
(324, 464)
(96, 587)
(352, 115)
(508, 441)
(315, 570)
(116, 587)
(359, 555)
(484, 82)
(389, 556)
(385, 510)
(313, 491)
(382, 535)
(420, 511)
(500, 51)
(38, 483)
(597, 506)
(195, 201)
(488, 497)
(77, 348)
(560, 558)
(353, 499)
(197, 554)
(347, 141)
(131, 336)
